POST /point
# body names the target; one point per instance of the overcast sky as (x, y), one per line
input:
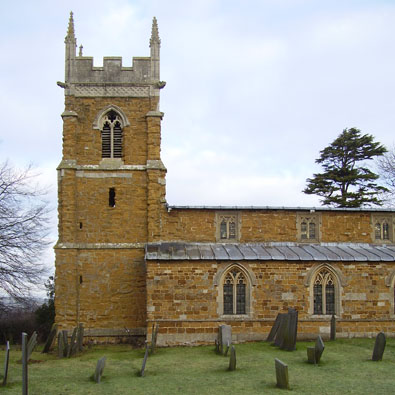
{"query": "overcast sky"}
(255, 89)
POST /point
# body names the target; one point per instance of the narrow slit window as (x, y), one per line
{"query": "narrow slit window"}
(111, 197)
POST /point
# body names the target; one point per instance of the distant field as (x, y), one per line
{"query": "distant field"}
(345, 368)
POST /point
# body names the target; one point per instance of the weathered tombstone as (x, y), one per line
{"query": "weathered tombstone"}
(333, 327)
(291, 331)
(217, 346)
(72, 349)
(6, 362)
(282, 327)
(65, 343)
(99, 369)
(281, 374)
(50, 339)
(144, 360)
(379, 346)
(314, 353)
(155, 328)
(232, 360)
(60, 345)
(80, 337)
(227, 349)
(24, 365)
(224, 337)
(274, 329)
(31, 344)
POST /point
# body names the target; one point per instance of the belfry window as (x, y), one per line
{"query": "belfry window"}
(324, 293)
(234, 292)
(111, 134)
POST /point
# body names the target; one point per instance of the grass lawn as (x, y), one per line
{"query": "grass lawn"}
(345, 368)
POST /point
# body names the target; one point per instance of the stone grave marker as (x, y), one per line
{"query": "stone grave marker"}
(155, 328)
(379, 346)
(281, 374)
(24, 364)
(227, 349)
(144, 360)
(314, 353)
(72, 348)
(50, 339)
(290, 331)
(80, 337)
(333, 327)
(31, 344)
(224, 337)
(60, 345)
(6, 362)
(216, 345)
(99, 369)
(232, 360)
(282, 327)
(274, 329)
(65, 343)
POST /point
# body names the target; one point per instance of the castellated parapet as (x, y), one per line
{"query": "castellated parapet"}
(83, 79)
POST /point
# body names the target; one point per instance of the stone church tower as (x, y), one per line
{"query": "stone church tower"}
(111, 189)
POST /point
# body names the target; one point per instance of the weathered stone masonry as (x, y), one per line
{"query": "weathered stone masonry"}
(126, 259)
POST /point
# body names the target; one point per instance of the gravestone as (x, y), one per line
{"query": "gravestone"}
(31, 344)
(281, 374)
(282, 327)
(333, 327)
(224, 337)
(217, 346)
(232, 360)
(65, 343)
(274, 329)
(50, 339)
(144, 360)
(99, 369)
(379, 346)
(155, 328)
(60, 345)
(24, 365)
(80, 337)
(6, 362)
(72, 348)
(314, 353)
(290, 331)
(227, 349)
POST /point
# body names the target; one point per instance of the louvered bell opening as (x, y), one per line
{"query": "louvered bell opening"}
(117, 141)
(106, 141)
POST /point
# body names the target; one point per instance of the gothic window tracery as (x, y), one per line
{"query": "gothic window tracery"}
(234, 292)
(111, 133)
(227, 227)
(382, 228)
(308, 227)
(324, 293)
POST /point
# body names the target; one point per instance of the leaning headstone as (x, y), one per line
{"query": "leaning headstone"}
(24, 365)
(291, 331)
(99, 369)
(227, 349)
(281, 374)
(232, 360)
(379, 347)
(65, 343)
(333, 327)
(144, 360)
(72, 349)
(155, 328)
(50, 339)
(274, 329)
(31, 344)
(314, 353)
(80, 337)
(60, 345)
(224, 337)
(6, 363)
(280, 334)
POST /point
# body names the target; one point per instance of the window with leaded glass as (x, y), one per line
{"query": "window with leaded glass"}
(111, 134)
(324, 293)
(234, 292)
(308, 227)
(227, 226)
(382, 229)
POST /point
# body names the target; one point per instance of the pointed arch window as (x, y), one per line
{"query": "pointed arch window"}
(324, 293)
(235, 292)
(111, 134)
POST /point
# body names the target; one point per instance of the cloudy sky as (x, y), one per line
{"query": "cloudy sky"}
(255, 89)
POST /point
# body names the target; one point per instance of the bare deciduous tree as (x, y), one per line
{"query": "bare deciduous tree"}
(386, 169)
(23, 232)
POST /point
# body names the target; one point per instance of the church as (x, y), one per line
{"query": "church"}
(126, 259)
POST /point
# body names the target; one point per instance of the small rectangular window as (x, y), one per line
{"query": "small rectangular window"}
(111, 197)
(227, 226)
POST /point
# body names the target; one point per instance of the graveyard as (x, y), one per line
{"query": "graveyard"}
(345, 366)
